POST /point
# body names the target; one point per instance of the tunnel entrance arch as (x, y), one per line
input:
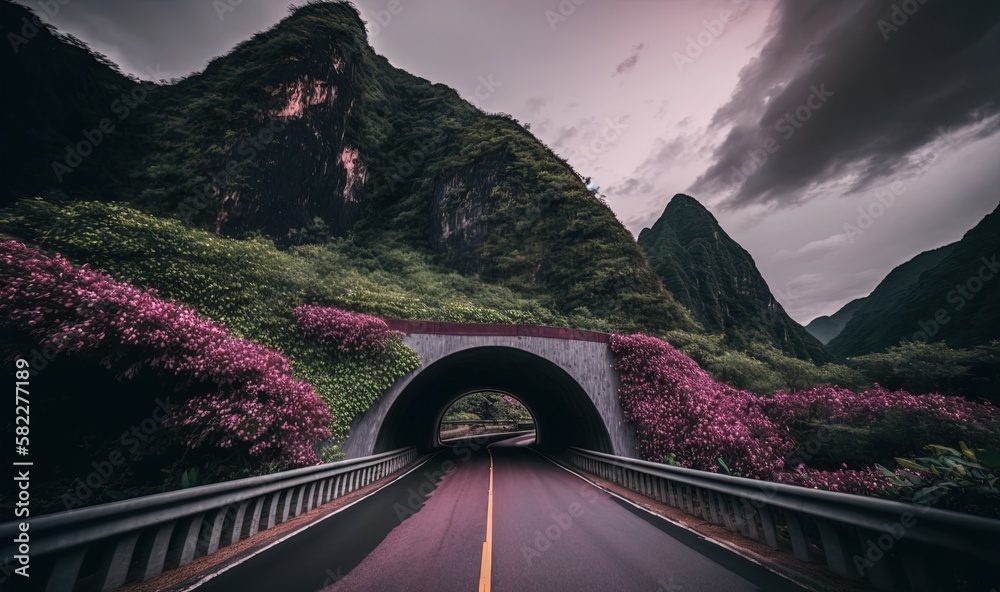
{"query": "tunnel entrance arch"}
(569, 385)
(564, 414)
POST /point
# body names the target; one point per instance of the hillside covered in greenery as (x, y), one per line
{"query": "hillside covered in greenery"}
(303, 134)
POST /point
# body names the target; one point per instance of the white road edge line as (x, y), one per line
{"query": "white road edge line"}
(212, 575)
(732, 548)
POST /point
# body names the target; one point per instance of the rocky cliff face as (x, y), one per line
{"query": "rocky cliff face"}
(718, 281)
(303, 132)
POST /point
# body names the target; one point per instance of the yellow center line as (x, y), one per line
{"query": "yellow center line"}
(484, 571)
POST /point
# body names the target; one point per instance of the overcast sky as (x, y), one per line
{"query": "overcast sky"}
(822, 104)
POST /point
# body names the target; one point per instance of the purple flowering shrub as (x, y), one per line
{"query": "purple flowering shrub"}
(347, 331)
(681, 412)
(874, 404)
(252, 402)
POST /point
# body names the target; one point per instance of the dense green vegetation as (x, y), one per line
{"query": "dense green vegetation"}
(715, 278)
(760, 368)
(487, 406)
(973, 373)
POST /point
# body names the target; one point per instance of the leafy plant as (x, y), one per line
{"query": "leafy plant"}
(959, 478)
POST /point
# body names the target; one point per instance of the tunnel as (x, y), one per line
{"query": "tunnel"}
(563, 412)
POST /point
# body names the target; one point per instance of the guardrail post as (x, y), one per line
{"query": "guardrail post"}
(272, 510)
(211, 533)
(769, 527)
(689, 499)
(152, 552)
(233, 530)
(736, 507)
(309, 497)
(837, 548)
(749, 518)
(916, 566)
(797, 532)
(114, 567)
(329, 494)
(321, 492)
(723, 504)
(64, 572)
(188, 531)
(255, 516)
(707, 509)
(286, 508)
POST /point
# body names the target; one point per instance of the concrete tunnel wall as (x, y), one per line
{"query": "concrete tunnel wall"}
(570, 387)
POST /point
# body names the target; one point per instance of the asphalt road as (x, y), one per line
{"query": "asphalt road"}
(551, 531)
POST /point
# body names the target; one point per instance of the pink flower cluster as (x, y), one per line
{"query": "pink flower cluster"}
(349, 332)
(679, 410)
(863, 482)
(836, 404)
(254, 400)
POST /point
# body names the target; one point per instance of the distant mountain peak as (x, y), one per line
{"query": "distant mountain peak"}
(718, 281)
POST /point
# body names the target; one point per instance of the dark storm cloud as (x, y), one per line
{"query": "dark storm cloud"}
(628, 64)
(895, 76)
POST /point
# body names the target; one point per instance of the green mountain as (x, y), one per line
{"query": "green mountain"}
(826, 328)
(717, 279)
(950, 294)
(304, 134)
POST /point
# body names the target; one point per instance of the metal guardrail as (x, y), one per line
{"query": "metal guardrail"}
(887, 544)
(486, 438)
(106, 546)
(478, 422)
